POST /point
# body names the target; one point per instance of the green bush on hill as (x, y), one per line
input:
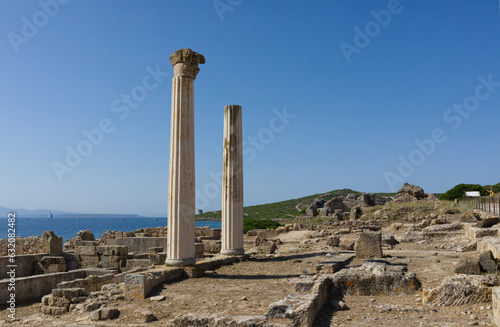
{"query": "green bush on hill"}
(250, 223)
(459, 190)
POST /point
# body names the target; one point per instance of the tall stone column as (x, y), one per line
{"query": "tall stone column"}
(232, 183)
(181, 188)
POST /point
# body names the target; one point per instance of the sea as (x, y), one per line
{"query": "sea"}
(68, 227)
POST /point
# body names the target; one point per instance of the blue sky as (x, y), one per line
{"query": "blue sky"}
(335, 94)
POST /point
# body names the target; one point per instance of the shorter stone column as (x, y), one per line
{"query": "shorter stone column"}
(232, 183)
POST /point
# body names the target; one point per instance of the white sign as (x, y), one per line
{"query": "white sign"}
(472, 193)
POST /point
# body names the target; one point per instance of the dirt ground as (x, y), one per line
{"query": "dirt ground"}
(249, 287)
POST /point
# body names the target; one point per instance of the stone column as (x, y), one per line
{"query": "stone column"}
(232, 183)
(181, 188)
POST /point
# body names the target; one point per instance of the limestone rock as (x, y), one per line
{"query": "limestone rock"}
(312, 210)
(409, 193)
(487, 222)
(389, 240)
(145, 315)
(488, 262)
(267, 247)
(468, 265)
(412, 190)
(85, 235)
(369, 245)
(375, 277)
(333, 241)
(470, 217)
(462, 289)
(109, 313)
(347, 245)
(157, 298)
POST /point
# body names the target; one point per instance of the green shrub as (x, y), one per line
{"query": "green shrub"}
(251, 223)
(459, 190)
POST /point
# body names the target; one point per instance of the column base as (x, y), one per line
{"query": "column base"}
(180, 262)
(232, 251)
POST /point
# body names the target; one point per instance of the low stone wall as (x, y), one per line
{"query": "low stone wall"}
(89, 284)
(137, 286)
(204, 231)
(139, 244)
(489, 244)
(474, 234)
(47, 243)
(34, 287)
(25, 264)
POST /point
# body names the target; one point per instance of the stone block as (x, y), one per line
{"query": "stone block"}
(55, 245)
(347, 245)
(142, 234)
(336, 263)
(468, 265)
(47, 299)
(369, 245)
(137, 263)
(375, 277)
(137, 286)
(488, 262)
(199, 250)
(53, 311)
(487, 222)
(268, 233)
(67, 293)
(267, 247)
(109, 313)
(87, 248)
(59, 302)
(145, 315)
(51, 264)
(215, 233)
(112, 250)
(211, 246)
(157, 258)
(461, 290)
(113, 262)
(333, 241)
(89, 261)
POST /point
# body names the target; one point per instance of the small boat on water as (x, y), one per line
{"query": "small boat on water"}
(122, 219)
(155, 219)
(50, 216)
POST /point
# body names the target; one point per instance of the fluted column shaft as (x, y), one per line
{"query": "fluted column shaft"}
(181, 187)
(232, 183)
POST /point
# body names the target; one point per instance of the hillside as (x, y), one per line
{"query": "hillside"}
(284, 209)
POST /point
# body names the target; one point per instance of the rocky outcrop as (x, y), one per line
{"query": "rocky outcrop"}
(412, 193)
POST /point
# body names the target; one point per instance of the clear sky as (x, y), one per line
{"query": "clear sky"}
(335, 94)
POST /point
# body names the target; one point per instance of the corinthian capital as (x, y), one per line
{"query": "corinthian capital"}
(185, 62)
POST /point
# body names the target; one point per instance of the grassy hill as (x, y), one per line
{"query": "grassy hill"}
(285, 209)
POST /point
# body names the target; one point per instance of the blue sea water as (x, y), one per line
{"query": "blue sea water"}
(68, 227)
